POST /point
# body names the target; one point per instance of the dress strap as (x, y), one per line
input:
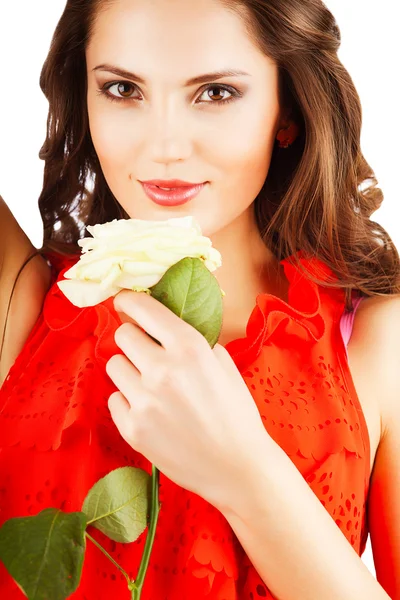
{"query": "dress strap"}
(347, 320)
(11, 295)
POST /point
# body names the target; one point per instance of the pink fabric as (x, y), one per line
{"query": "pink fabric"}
(347, 321)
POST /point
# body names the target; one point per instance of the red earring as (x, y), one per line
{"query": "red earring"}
(286, 136)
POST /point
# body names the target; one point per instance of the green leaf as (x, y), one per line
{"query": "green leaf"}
(44, 553)
(118, 504)
(192, 292)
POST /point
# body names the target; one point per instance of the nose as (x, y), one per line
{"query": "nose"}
(170, 135)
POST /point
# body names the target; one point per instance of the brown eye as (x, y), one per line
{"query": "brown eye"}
(124, 89)
(215, 89)
(225, 94)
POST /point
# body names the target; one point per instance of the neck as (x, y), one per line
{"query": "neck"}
(248, 267)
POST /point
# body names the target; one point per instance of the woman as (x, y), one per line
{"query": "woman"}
(277, 154)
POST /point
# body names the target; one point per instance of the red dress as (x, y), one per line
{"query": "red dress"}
(57, 437)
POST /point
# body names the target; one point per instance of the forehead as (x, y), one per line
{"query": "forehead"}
(189, 36)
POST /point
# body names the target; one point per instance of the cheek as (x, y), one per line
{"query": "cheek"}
(113, 147)
(108, 130)
(244, 152)
(110, 144)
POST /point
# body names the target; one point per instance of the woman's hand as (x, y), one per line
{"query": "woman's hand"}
(181, 404)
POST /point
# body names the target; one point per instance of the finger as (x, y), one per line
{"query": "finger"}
(124, 318)
(124, 375)
(142, 351)
(155, 318)
(119, 408)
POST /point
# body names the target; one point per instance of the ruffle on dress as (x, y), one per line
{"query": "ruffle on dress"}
(301, 317)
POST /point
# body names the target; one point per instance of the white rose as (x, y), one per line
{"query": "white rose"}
(133, 254)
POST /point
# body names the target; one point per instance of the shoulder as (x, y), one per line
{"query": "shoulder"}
(17, 315)
(377, 333)
(375, 344)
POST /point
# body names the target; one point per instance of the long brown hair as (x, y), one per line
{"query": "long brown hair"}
(319, 193)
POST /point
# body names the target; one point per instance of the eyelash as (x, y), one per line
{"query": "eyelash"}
(104, 92)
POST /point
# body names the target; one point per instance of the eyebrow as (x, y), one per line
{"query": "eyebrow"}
(193, 81)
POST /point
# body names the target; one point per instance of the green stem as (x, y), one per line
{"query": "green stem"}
(96, 543)
(137, 585)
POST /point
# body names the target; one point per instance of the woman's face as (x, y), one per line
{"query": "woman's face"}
(220, 131)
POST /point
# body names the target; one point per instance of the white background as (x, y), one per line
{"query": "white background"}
(369, 51)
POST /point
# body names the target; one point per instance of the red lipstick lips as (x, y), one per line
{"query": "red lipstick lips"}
(177, 191)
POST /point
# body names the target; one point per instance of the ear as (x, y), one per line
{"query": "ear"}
(284, 119)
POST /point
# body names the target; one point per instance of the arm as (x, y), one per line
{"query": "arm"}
(17, 316)
(287, 551)
(284, 546)
(15, 245)
(384, 509)
(384, 497)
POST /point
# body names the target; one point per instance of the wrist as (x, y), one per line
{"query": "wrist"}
(253, 479)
